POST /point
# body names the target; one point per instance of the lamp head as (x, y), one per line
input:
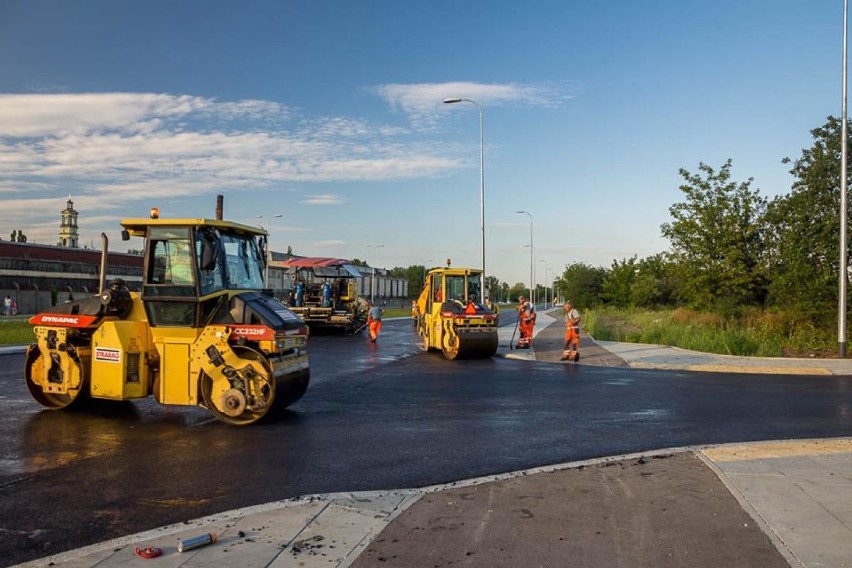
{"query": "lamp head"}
(452, 100)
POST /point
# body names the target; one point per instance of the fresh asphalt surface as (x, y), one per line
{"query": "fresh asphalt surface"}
(373, 418)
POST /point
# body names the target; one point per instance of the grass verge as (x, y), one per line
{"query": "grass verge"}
(752, 333)
(15, 331)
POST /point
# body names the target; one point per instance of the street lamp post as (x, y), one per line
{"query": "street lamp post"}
(545, 283)
(841, 311)
(454, 100)
(532, 258)
(268, 253)
(373, 279)
(552, 283)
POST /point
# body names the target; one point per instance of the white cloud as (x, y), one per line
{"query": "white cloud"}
(57, 114)
(422, 101)
(323, 199)
(110, 149)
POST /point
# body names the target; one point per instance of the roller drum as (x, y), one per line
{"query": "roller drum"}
(466, 344)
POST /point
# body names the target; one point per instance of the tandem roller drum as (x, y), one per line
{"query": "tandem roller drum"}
(470, 345)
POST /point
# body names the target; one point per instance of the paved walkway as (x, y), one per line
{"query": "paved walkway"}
(770, 504)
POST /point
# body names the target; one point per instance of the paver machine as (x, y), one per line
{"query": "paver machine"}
(325, 293)
(451, 316)
(202, 331)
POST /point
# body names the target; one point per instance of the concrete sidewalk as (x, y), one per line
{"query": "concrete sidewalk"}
(760, 504)
(548, 338)
(766, 504)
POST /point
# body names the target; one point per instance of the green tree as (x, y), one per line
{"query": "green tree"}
(414, 274)
(717, 239)
(804, 257)
(582, 284)
(655, 283)
(617, 285)
(493, 285)
(517, 290)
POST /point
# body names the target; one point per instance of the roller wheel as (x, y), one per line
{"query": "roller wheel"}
(40, 368)
(236, 412)
(290, 389)
(423, 331)
(451, 346)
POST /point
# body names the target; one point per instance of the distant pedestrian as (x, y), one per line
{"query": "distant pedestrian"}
(374, 321)
(7, 306)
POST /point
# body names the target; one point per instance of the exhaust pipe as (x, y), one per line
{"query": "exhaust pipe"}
(220, 206)
(104, 250)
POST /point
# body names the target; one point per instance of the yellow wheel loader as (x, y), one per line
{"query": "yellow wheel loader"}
(202, 331)
(451, 316)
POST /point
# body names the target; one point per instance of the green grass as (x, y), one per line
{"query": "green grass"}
(754, 333)
(396, 312)
(15, 331)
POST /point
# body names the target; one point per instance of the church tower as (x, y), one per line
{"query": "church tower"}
(68, 234)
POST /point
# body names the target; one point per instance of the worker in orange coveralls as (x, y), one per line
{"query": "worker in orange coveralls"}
(572, 333)
(374, 321)
(526, 323)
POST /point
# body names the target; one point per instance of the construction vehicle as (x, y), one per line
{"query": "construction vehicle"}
(451, 316)
(202, 331)
(325, 293)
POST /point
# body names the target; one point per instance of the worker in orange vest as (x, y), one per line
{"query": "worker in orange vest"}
(572, 333)
(526, 323)
(374, 321)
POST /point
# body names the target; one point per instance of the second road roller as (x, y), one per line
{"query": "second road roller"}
(451, 316)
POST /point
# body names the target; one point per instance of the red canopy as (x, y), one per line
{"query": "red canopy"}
(312, 261)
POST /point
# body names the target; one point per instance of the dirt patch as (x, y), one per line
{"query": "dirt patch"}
(824, 353)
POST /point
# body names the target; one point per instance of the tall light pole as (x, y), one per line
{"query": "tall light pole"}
(545, 280)
(373, 279)
(841, 310)
(532, 258)
(268, 252)
(552, 283)
(454, 100)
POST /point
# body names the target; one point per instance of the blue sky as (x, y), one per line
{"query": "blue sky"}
(330, 114)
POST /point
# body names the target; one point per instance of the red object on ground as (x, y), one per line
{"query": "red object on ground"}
(148, 552)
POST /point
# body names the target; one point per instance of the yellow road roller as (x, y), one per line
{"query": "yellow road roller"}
(451, 316)
(202, 330)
